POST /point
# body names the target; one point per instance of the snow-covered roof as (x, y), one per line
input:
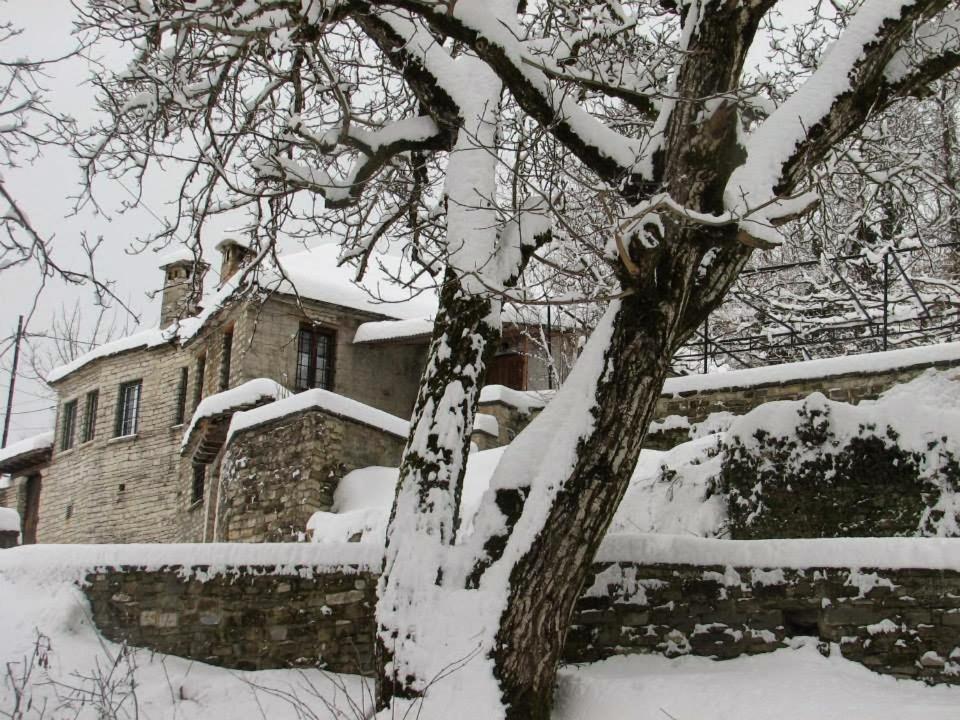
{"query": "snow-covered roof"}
(486, 424)
(809, 369)
(232, 241)
(324, 400)
(153, 337)
(312, 274)
(178, 254)
(25, 452)
(522, 400)
(249, 393)
(386, 330)
(9, 520)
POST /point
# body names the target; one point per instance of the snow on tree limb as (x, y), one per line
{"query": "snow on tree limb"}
(849, 84)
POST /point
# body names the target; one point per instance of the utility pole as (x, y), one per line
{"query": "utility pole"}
(13, 379)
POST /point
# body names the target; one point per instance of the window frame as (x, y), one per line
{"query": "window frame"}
(199, 484)
(121, 424)
(314, 333)
(68, 424)
(226, 356)
(198, 380)
(88, 425)
(180, 409)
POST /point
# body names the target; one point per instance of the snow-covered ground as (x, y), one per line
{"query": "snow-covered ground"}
(788, 684)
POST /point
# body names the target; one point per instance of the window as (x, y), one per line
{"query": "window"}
(88, 430)
(198, 383)
(181, 411)
(226, 351)
(315, 358)
(128, 408)
(68, 424)
(199, 479)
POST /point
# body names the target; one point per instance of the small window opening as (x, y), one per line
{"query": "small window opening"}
(128, 408)
(181, 408)
(225, 357)
(198, 381)
(199, 480)
(801, 623)
(68, 425)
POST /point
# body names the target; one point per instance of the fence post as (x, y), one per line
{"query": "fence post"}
(886, 278)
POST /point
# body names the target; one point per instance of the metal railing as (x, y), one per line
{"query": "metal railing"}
(891, 305)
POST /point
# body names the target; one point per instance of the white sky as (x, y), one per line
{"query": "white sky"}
(44, 187)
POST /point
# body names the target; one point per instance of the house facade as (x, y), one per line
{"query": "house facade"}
(129, 462)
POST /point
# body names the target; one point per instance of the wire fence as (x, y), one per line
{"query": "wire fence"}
(852, 304)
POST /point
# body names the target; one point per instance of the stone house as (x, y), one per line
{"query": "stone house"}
(130, 462)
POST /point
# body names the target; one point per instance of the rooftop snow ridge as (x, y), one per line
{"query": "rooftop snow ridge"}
(324, 400)
(249, 393)
(523, 400)
(384, 330)
(34, 442)
(312, 274)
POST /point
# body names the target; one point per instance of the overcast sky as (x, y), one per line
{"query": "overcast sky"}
(44, 188)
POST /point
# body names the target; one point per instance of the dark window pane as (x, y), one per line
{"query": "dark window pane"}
(88, 430)
(68, 424)
(199, 479)
(128, 408)
(181, 408)
(225, 355)
(304, 354)
(198, 382)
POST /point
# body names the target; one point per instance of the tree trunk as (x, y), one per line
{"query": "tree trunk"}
(465, 337)
(547, 580)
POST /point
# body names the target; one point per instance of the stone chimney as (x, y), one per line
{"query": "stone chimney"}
(182, 285)
(236, 254)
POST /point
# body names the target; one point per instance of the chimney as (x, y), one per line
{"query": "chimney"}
(182, 285)
(236, 254)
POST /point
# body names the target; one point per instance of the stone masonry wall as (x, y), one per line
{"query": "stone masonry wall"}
(276, 475)
(250, 620)
(904, 622)
(850, 388)
(115, 489)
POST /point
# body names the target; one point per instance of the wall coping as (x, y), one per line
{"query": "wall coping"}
(927, 356)
(72, 563)
(887, 553)
(324, 401)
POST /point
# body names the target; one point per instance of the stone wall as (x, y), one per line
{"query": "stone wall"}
(902, 622)
(248, 620)
(276, 475)
(742, 395)
(116, 489)
(510, 420)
